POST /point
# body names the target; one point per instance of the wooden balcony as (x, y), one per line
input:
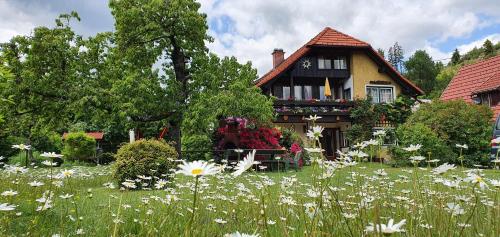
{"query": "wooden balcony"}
(298, 110)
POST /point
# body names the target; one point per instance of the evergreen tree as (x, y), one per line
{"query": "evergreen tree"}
(455, 58)
(395, 56)
(381, 52)
(488, 48)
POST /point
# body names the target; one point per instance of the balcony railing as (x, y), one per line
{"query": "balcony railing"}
(309, 107)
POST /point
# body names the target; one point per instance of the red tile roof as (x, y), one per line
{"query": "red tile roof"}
(330, 37)
(472, 77)
(95, 135)
(493, 83)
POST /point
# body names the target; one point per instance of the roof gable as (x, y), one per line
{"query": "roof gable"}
(473, 78)
(333, 38)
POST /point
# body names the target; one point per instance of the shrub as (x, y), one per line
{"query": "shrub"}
(151, 158)
(79, 146)
(457, 122)
(419, 133)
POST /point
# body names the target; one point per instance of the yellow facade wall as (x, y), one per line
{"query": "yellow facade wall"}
(365, 70)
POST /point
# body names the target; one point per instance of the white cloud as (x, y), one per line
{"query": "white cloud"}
(478, 43)
(261, 25)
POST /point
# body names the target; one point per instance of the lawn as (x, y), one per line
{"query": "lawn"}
(90, 203)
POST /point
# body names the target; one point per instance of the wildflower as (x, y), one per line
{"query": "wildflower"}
(7, 207)
(433, 161)
(238, 234)
(49, 163)
(454, 209)
(160, 184)
(197, 168)
(66, 196)
(310, 209)
(129, 184)
(464, 146)
(314, 150)
(220, 221)
(379, 133)
(380, 172)
(51, 155)
(66, 173)
(9, 193)
(413, 148)
(388, 229)
(22, 147)
(80, 232)
(35, 184)
(495, 183)
(245, 164)
(417, 158)
(372, 142)
(315, 133)
(443, 168)
(476, 179)
(313, 118)
(358, 154)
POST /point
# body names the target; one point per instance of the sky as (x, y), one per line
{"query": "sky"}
(251, 29)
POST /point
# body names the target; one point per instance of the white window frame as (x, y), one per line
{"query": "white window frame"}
(322, 63)
(340, 62)
(381, 86)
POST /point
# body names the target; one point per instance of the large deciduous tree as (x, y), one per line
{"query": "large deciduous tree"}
(169, 33)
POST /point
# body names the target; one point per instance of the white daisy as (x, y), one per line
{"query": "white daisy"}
(413, 148)
(9, 193)
(51, 155)
(443, 168)
(315, 132)
(238, 234)
(7, 207)
(388, 229)
(197, 168)
(22, 147)
(245, 164)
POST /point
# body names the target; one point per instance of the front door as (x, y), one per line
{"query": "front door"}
(329, 142)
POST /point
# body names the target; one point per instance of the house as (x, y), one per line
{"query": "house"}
(477, 83)
(347, 66)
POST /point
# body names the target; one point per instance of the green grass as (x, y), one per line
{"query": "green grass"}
(101, 211)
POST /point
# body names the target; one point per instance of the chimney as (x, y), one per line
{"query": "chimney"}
(278, 57)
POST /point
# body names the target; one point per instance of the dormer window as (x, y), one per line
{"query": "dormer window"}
(340, 62)
(324, 63)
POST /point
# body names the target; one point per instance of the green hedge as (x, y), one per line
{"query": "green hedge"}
(419, 133)
(457, 122)
(152, 158)
(79, 147)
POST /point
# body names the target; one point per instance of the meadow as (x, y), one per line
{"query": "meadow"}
(325, 199)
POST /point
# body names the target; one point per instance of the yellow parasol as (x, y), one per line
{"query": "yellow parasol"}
(328, 92)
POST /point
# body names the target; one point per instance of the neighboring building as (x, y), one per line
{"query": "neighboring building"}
(477, 83)
(353, 70)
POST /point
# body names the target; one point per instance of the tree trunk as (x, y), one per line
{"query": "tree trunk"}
(176, 134)
(181, 75)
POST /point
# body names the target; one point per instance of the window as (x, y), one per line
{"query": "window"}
(308, 92)
(322, 93)
(486, 99)
(324, 63)
(340, 63)
(286, 92)
(380, 94)
(298, 92)
(347, 94)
